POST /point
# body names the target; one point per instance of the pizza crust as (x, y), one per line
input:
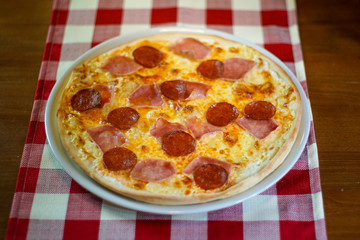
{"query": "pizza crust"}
(92, 165)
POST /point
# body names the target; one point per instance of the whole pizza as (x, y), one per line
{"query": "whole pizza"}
(179, 118)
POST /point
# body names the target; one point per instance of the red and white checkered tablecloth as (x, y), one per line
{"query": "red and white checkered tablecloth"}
(48, 204)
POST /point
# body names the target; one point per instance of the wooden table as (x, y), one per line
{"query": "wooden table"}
(330, 35)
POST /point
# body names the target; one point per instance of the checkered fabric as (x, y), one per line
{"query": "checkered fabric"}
(48, 204)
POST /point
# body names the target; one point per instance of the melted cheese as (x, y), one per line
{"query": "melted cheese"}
(234, 145)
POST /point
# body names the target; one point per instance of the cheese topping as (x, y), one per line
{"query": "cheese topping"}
(235, 145)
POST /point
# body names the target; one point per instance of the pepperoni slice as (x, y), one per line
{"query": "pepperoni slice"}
(174, 90)
(104, 92)
(211, 69)
(123, 118)
(119, 158)
(260, 110)
(210, 176)
(221, 114)
(178, 143)
(85, 99)
(147, 56)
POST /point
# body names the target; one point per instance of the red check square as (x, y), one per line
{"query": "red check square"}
(36, 133)
(229, 230)
(109, 16)
(276, 17)
(159, 229)
(76, 188)
(52, 52)
(282, 51)
(297, 230)
(295, 182)
(219, 17)
(44, 88)
(27, 180)
(81, 229)
(164, 15)
(17, 228)
(59, 17)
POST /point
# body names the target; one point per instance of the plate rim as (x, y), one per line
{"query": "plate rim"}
(88, 183)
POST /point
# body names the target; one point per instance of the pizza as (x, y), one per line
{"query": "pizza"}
(179, 118)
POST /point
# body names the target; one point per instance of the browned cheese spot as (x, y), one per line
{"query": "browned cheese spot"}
(140, 185)
(163, 115)
(218, 50)
(257, 145)
(233, 50)
(186, 180)
(289, 92)
(243, 91)
(267, 88)
(177, 184)
(188, 109)
(175, 71)
(115, 82)
(81, 141)
(230, 138)
(144, 148)
(261, 62)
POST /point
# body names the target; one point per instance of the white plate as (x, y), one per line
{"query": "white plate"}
(84, 180)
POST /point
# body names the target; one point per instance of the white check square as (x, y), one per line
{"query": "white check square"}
(318, 206)
(78, 34)
(81, 4)
(261, 207)
(191, 217)
(48, 160)
(290, 4)
(63, 65)
(198, 4)
(246, 5)
(294, 34)
(253, 34)
(49, 206)
(112, 212)
(300, 70)
(128, 28)
(138, 4)
(313, 156)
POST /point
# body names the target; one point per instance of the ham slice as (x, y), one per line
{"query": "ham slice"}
(191, 48)
(236, 68)
(107, 137)
(153, 170)
(258, 128)
(147, 95)
(121, 65)
(199, 161)
(196, 90)
(199, 128)
(162, 127)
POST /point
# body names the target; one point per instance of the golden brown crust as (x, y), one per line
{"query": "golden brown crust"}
(240, 180)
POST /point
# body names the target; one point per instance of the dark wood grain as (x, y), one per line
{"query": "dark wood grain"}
(23, 30)
(330, 35)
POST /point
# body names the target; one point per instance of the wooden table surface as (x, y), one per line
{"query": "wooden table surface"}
(330, 35)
